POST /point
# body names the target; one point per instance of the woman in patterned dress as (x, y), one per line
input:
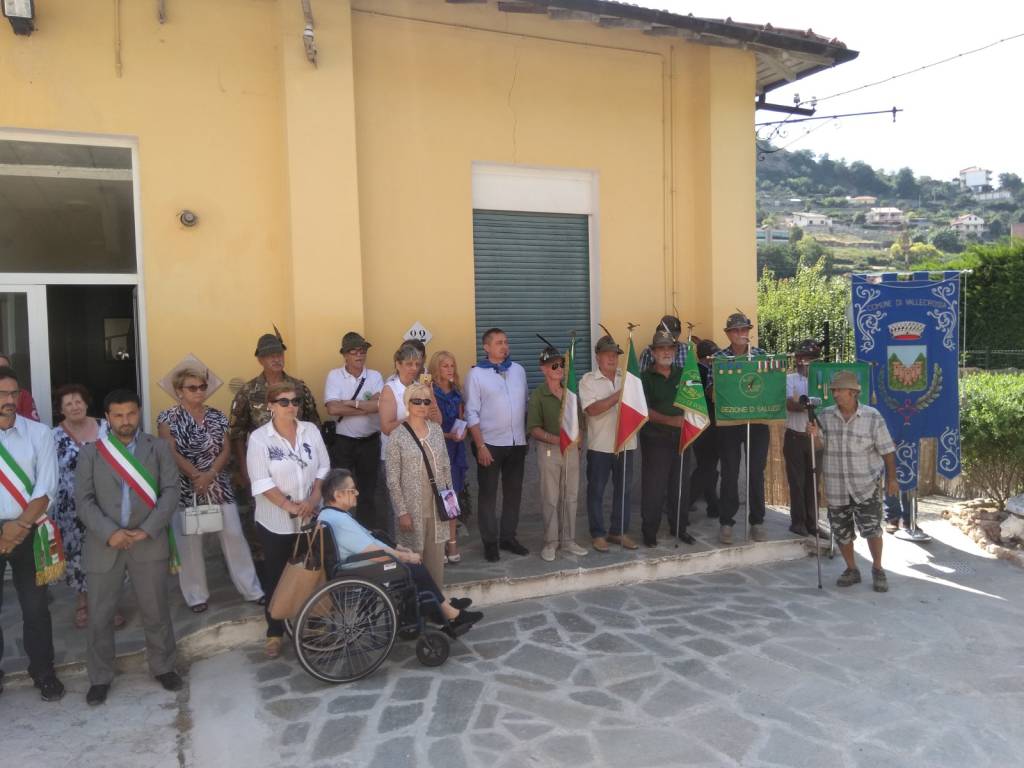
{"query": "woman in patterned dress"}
(75, 430)
(198, 438)
(444, 373)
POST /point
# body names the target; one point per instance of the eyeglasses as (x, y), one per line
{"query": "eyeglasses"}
(555, 366)
(420, 401)
(348, 490)
(357, 351)
(9, 393)
(196, 387)
(284, 402)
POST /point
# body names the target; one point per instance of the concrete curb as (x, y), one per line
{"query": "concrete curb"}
(226, 635)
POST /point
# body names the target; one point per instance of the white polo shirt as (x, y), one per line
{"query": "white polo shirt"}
(342, 385)
(596, 386)
(796, 385)
(273, 462)
(496, 401)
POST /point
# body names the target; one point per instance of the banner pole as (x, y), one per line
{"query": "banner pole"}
(746, 461)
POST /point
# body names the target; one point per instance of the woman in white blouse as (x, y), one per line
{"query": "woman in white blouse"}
(287, 460)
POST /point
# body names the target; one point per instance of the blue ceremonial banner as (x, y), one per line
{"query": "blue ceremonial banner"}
(908, 331)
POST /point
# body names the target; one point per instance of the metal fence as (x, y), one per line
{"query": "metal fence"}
(836, 339)
(993, 359)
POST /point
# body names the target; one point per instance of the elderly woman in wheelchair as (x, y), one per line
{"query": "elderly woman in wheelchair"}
(375, 592)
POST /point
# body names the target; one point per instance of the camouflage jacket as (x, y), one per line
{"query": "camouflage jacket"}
(249, 408)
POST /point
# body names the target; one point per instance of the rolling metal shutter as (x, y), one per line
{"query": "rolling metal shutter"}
(533, 276)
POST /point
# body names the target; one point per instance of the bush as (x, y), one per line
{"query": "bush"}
(992, 433)
(790, 310)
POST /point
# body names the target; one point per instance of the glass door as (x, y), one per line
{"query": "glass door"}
(24, 340)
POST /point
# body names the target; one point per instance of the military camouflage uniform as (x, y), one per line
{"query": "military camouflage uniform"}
(249, 409)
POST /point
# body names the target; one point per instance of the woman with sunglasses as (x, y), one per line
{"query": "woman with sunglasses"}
(412, 495)
(287, 461)
(198, 436)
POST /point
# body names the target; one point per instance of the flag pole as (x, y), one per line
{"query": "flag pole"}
(746, 462)
(679, 490)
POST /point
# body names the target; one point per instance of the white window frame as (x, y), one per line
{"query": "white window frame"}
(95, 278)
(533, 189)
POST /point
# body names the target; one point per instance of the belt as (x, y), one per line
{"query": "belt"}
(374, 436)
(797, 432)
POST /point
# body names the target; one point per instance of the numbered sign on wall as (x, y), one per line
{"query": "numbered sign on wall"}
(418, 332)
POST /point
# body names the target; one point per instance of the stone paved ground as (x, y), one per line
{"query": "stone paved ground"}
(753, 668)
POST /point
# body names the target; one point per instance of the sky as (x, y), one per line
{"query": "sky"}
(967, 112)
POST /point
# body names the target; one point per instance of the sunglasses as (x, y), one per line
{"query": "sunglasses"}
(420, 401)
(284, 402)
(196, 387)
(555, 366)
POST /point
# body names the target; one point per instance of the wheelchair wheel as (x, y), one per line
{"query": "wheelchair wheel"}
(345, 631)
(432, 649)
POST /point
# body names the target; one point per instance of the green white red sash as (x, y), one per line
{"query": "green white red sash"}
(47, 547)
(138, 478)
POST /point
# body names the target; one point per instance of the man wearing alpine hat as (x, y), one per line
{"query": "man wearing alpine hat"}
(796, 446)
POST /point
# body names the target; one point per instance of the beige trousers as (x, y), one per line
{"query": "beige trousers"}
(549, 464)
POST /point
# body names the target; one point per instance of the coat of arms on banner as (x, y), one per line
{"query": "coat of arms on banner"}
(907, 371)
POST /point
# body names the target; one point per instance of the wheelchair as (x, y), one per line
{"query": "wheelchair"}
(347, 628)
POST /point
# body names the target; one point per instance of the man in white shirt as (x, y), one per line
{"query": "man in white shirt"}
(496, 396)
(28, 482)
(351, 395)
(600, 392)
(796, 446)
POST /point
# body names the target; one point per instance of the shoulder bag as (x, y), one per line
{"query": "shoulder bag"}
(304, 573)
(446, 501)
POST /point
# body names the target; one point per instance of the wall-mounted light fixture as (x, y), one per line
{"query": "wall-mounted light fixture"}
(21, 14)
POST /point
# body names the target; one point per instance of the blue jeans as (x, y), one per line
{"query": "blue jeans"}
(898, 508)
(601, 466)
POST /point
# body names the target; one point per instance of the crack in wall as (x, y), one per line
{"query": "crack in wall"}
(515, 118)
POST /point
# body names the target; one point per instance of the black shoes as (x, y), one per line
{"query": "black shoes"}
(686, 538)
(460, 603)
(462, 623)
(171, 681)
(50, 688)
(650, 543)
(491, 553)
(97, 695)
(513, 546)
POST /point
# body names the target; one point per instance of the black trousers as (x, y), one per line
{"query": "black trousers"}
(361, 456)
(660, 483)
(704, 481)
(730, 444)
(277, 549)
(508, 467)
(803, 506)
(37, 629)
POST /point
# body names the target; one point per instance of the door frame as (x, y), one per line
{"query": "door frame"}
(41, 279)
(38, 345)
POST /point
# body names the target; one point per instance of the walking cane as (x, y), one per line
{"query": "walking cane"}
(811, 403)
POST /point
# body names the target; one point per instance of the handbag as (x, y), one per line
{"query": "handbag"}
(327, 428)
(202, 518)
(446, 501)
(303, 574)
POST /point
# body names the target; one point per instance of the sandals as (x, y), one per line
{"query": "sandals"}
(272, 648)
(199, 607)
(81, 617)
(453, 558)
(891, 526)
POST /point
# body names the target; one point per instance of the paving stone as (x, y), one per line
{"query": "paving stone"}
(596, 699)
(723, 730)
(584, 677)
(709, 624)
(393, 751)
(399, 716)
(612, 619)
(485, 717)
(796, 751)
(526, 683)
(709, 646)
(613, 598)
(446, 753)
(338, 736)
(661, 747)
(609, 643)
(652, 644)
(270, 691)
(412, 689)
(454, 706)
(566, 713)
(673, 697)
(573, 622)
(547, 636)
(294, 734)
(494, 648)
(293, 709)
(273, 670)
(545, 662)
(687, 667)
(352, 703)
(675, 631)
(494, 741)
(566, 750)
(633, 689)
(304, 683)
(501, 630)
(528, 731)
(531, 622)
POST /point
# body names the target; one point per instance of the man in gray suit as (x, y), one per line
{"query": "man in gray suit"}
(126, 487)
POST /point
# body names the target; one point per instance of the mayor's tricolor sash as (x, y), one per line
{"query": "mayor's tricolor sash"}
(137, 477)
(47, 547)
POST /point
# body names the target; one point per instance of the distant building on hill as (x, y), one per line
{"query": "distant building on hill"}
(975, 179)
(809, 219)
(968, 224)
(862, 200)
(886, 217)
(998, 194)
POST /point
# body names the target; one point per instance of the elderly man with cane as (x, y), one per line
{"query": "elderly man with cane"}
(858, 448)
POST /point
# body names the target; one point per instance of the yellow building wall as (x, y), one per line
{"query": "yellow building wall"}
(340, 196)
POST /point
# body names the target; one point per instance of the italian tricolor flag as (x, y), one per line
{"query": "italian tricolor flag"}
(690, 400)
(47, 547)
(569, 433)
(632, 403)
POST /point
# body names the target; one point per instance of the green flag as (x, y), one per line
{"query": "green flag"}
(820, 374)
(690, 400)
(749, 389)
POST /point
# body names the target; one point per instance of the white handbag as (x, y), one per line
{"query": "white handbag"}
(202, 518)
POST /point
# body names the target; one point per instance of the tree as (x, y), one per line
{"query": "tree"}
(948, 241)
(923, 252)
(1011, 182)
(907, 187)
(792, 309)
(778, 259)
(795, 235)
